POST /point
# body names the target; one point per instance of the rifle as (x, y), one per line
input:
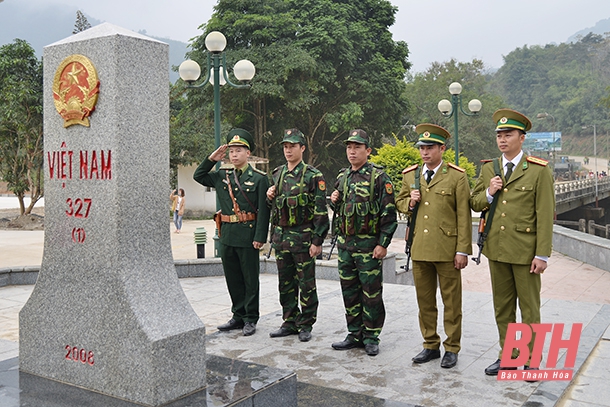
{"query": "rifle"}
(273, 215)
(411, 224)
(333, 241)
(482, 237)
(483, 225)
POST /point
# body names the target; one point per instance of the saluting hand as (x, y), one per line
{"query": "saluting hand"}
(219, 153)
(495, 184)
(271, 192)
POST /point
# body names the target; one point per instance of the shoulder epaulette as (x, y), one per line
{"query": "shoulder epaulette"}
(259, 171)
(455, 167)
(276, 169)
(379, 167)
(537, 160)
(411, 168)
(486, 161)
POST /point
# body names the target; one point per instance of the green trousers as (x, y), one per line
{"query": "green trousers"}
(297, 285)
(511, 283)
(425, 277)
(242, 268)
(362, 289)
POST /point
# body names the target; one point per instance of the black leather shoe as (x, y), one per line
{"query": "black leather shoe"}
(282, 332)
(232, 324)
(346, 344)
(494, 368)
(531, 368)
(249, 328)
(304, 336)
(427, 355)
(371, 349)
(449, 360)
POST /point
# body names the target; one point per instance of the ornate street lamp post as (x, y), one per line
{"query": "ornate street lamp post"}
(449, 109)
(189, 71)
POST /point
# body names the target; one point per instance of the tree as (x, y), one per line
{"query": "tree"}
(324, 66)
(21, 131)
(81, 24)
(567, 81)
(426, 89)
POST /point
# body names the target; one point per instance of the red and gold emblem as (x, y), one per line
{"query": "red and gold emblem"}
(388, 188)
(75, 90)
(322, 185)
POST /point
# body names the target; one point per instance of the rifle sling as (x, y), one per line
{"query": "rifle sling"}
(415, 208)
(494, 202)
(242, 192)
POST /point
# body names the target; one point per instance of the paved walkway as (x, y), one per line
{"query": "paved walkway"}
(572, 292)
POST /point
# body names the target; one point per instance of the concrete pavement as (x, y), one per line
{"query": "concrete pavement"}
(571, 292)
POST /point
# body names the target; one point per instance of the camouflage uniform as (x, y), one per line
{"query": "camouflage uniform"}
(366, 218)
(300, 219)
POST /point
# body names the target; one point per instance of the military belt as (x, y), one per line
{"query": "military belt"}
(240, 217)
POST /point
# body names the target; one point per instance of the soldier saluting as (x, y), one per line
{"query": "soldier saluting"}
(299, 227)
(364, 202)
(240, 190)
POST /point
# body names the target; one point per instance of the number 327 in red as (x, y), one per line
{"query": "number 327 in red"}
(79, 207)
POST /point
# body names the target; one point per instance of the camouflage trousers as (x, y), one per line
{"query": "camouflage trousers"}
(297, 284)
(362, 288)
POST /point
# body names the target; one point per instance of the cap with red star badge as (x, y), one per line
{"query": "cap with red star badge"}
(240, 137)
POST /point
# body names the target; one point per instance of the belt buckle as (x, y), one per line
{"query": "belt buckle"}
(233, 218)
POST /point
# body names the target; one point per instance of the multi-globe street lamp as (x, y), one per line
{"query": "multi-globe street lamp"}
(450, 108)
(189, 71)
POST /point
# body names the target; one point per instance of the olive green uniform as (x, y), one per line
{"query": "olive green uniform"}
(240, 259)
(522, 228)
(300, 219)
(443, 228)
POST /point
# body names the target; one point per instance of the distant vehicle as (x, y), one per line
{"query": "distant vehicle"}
(566, 169)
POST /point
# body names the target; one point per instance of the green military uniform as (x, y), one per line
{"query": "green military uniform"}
(522, 227)
(366, 216)
(443, 227)
(240, 259)
(299, 219)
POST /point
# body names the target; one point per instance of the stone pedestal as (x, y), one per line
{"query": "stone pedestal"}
(108, 313)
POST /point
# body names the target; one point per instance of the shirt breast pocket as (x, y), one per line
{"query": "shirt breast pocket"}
(444, 192)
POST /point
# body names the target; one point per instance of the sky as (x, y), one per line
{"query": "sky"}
(434, 30)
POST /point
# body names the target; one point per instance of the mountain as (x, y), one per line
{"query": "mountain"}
(18, 19)
(600, 28)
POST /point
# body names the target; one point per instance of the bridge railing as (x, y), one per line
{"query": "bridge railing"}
(566, 190)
